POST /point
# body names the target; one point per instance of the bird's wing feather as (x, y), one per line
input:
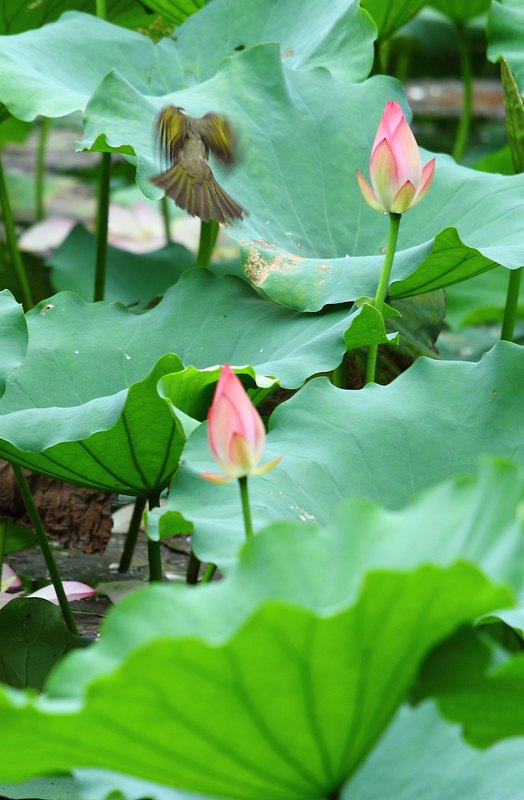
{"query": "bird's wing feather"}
(218, 136)
(172, 127)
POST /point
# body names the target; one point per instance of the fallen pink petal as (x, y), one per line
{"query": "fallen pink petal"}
(10, 579)
(74, 591)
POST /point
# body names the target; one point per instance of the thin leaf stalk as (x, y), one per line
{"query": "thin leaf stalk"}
(17, 265)
(208, 236)
(378, 302)
(154, 553)
(101, 10)
(50, 562)
(511, 307)
(338, 376)
(246, 510)
(207, 577)
(193, 569)
(102, 221)
(40, 168)
(132, 534)
(466, 114)
(167, 221)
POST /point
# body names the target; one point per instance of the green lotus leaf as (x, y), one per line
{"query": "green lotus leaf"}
(45, 71)
(13, 337)
(57, 787)
(505, 32)
(132, 278)
(390, 15)
(461, 10)
(422, 756)
(33, 638)
(475, 688)
(310, 239)
(239, 685)
(381, 443)
(18, 17)
(84, 405)
(480, 301)
(289, 681)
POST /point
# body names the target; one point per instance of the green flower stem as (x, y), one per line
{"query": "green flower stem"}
(462, 135)
(132, 535)
(165, 214)
(338, 376)
(512, 302)
(101, 227)
(394, 222)
(208, 237)
(154, 553)
(101, 9)
(12, 245)
(207, 577)
(193, 568)
(44, 546)
(3, 526)
(245, 506)
(40, 168)
(154, 557)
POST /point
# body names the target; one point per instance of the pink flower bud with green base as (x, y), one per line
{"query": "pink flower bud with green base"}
(397, 177)
(235, 432)
(237, 438)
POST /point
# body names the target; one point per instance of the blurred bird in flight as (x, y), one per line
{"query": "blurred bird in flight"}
(189, 181)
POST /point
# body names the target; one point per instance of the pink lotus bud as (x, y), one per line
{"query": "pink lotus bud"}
(395, 167)
(10, 579)
(73, 589)
(235, 431)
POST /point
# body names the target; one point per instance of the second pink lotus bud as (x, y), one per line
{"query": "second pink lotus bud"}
(235, 431)
(397, 177)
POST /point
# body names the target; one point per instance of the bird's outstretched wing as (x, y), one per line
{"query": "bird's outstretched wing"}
(172, 127)
(218, 136)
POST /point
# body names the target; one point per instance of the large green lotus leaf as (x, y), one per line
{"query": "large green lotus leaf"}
(475, 689)
(337, 36)
(469, 519)
(481, 300)
(13, 337)
(310, 239)
(390, 15)
(286, 707)
(383, 442)
(421, 756)
(56, 787)
(505, 31)
(33, 638)
(18, 17)
(45, 71)
(461, 10)
(67, 411)
(132, 278)
(176, 11)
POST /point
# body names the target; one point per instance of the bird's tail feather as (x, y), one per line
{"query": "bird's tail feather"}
(206, 200)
